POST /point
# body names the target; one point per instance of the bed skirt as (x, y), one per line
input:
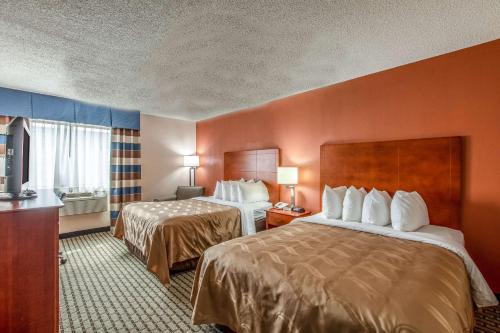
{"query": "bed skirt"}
(176, 267)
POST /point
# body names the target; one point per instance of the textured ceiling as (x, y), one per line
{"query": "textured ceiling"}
(197, 59)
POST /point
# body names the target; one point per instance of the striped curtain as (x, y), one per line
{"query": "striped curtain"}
(125, 169)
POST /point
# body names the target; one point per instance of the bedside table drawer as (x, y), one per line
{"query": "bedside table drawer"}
(277, 220)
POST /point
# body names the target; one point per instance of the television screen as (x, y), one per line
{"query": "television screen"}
(26, 156)
(17, 155)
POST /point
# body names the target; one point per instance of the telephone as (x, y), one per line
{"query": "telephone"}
(280, 205)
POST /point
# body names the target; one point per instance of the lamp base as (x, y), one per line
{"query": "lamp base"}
(193, 183)
(292, 196)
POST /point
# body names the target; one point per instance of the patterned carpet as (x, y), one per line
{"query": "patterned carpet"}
(106, 289)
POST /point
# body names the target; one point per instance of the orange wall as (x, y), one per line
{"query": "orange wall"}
(453, 94)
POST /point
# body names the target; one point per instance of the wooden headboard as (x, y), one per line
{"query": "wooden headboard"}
(257, 164)
(432, 167)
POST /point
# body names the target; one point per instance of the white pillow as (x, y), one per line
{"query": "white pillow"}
(226, 190)
(253, 192)
(377, 208)
(218, 191)
(408, 211)
(234, 190)
(353, 204)
(332, 201)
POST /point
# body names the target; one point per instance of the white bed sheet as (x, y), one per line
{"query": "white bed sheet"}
(248, 212)
(447, 238)
(259, 214)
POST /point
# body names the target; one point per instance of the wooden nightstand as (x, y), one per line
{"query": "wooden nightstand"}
(278, 217)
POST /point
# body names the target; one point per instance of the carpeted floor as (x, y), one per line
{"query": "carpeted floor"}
(106, 289)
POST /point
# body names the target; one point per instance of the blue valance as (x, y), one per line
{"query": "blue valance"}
(52, 108)
(30, 105)
(125, 119)
(92, 114)
(15, 103)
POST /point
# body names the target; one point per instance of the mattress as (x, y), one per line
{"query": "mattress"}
(259, 209)
(259, 214)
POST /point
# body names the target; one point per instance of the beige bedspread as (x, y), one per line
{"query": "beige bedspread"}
(171, 232)
(308, 277)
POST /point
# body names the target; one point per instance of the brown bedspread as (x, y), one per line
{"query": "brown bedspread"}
(308, 277)
(170, 232)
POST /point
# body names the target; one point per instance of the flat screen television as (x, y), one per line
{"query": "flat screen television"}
(17, 159)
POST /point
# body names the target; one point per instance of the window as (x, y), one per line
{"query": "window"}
(65, 155)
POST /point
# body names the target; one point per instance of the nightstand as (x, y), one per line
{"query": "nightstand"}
(278, 217)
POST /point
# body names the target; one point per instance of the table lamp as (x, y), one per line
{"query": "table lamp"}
(192, 161)
(289, 176)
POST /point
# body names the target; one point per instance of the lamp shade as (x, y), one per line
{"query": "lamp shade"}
(192, 161)
(288, 175)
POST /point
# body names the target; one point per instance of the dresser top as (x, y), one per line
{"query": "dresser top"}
(45, 199)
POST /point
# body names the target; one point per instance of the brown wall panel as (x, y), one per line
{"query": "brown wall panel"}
(258, 164)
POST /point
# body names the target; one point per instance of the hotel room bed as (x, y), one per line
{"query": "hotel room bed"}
(314, 277)
(171, 235)
(319, 275)
(168, 235)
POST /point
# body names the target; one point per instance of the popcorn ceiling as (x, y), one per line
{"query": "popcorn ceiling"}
(198, 59)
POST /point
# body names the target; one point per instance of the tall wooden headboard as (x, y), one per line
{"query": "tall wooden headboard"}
(432, 167)
(257, 164)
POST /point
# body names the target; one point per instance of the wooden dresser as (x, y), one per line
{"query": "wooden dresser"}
(29, 267)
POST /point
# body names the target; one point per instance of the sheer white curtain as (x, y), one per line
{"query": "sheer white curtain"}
(64, 155)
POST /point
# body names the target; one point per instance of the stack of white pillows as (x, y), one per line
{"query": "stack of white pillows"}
(406, 211)
(241, 191)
